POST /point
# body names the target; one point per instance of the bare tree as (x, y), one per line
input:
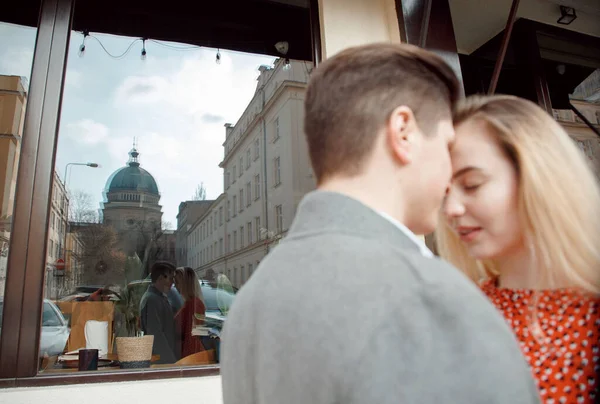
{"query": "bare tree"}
(102, 260)
(200, 193)
(81, 208)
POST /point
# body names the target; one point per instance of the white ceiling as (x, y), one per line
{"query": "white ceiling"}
(477, 21)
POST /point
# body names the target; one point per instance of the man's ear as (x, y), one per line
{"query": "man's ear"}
(401, 134)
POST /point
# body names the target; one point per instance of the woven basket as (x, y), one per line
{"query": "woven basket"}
(135, 352)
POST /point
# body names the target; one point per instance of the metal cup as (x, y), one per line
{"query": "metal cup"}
(88, 359)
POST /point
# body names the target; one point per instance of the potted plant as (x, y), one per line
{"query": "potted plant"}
(134, 349)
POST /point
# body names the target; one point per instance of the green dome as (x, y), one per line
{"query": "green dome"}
(132, 178)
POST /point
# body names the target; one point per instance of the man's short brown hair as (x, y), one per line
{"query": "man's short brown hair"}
(351, 96)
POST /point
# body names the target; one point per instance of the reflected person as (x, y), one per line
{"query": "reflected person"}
(157, 314)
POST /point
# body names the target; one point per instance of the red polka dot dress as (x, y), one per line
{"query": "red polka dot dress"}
(562, 347)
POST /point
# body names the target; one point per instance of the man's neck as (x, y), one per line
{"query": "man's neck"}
(368, 192)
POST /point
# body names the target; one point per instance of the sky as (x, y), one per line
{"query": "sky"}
(174, 103)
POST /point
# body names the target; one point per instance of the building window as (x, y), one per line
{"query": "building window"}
(257, 227)
(235, 275)
(234, 174)
(228, 246)
(249, 226)
(220, 247)
(279, 218)
(250, 269)
(248, 194)
(227, 180)
(51, 249)
(242, 274)
(234, 206)
(276, 129)
(228, 213)
(221, 216)
(277, 171)
(256, 149)
(235, 240)
(256, 187)
(241, 165)
(248, 162)
(241, 199)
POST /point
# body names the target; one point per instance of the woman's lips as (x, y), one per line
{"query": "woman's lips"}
(468, 234)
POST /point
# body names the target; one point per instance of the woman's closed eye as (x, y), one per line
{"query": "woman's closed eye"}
(471, 187)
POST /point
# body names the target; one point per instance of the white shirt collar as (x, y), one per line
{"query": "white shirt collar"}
(426, 252)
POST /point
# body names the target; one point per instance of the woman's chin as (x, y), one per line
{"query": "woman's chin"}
(480, 252)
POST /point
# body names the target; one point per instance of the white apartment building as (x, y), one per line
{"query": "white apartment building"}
(266, 172)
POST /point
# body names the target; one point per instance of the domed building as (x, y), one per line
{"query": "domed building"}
(131, 205)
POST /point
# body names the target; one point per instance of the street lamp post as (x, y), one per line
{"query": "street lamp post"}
(92, 165)
(66, 181)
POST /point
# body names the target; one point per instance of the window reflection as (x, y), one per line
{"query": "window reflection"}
(171, 161)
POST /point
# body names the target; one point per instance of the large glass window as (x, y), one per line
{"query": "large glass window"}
(141, 126)
(151, 136)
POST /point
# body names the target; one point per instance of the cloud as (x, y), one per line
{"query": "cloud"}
(74, 78)
(17, 61)
(141, 90)
(212, 118)
(88, 132)
(174, 104)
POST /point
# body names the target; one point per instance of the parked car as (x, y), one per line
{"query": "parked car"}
(55, 330)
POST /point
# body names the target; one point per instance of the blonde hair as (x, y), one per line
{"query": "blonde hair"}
(189, 285)
(558, 196)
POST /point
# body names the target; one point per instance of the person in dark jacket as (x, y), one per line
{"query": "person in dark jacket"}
(157, 314)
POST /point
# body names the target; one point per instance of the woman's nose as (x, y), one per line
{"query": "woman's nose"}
(453, 207)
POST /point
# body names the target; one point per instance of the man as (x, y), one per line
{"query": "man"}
(157, 314)
(351, 307)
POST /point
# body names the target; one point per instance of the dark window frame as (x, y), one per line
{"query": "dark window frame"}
(23, 299)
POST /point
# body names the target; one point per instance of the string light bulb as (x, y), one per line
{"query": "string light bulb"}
(218, 59)
(143, 56)
(82, 46)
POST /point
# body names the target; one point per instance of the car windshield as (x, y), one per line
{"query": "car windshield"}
(211, 302)
(50, 317)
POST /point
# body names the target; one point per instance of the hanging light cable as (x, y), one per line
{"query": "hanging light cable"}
(82, 46)
(143, 56)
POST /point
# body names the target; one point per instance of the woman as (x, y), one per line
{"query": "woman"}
(188, 286)
(522, 219)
